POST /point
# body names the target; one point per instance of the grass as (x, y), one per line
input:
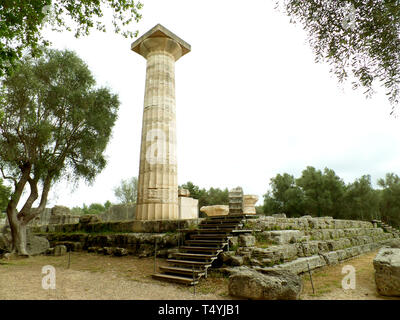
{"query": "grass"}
(328, 281)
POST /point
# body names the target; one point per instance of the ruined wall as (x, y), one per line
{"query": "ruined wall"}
(119, 212)
(296, 243)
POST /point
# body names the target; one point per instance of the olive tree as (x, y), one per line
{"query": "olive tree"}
(56, 124)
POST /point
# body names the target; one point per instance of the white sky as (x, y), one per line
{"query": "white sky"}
(251, 103)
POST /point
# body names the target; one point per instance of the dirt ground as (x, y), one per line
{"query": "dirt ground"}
(97, 277)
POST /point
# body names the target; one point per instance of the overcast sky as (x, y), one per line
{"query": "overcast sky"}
(250, 100)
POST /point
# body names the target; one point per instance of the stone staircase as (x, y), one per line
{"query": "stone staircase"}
(387, 228)
(201, 248)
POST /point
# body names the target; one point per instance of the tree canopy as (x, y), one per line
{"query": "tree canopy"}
(22, 21)
(323, 193)
(360, 39)
(56, 124)
(126, 192)
(5, 192)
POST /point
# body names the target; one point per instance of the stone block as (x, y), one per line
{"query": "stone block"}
(188, 208)
(247, 240)
(268, 284)
(387, 271)
(60, 250)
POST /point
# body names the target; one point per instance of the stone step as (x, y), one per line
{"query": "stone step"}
(205, 249)
(230, 216)
(198, 256)
(221, 221)
(180, 279)
(189, 262)
(200, 231)
(245, 231)
(220, 226)
(208, 236)
(219, 243)
(185, 271)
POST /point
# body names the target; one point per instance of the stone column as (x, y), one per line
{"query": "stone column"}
(157, 182)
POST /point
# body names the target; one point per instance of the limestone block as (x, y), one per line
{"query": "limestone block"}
(217, 210)
(331, 258)
(269, 284)
(183, 192)
(188, 208)
(283, 236)
(249, 202)
(246, 240)
(387, 271)
(300, 265)
(60, 250)
(341, 254)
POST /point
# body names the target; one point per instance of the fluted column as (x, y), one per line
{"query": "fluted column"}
(158, 183)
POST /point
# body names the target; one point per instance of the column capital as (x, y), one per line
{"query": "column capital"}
(160, 38)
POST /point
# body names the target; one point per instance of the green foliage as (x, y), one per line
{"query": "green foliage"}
(319, 194)
(361, 43)
(361, 201)
(56, 125)
(390, 199)
(286, 196)
(126, 192)
(210, 197)
(5, 193)
(322, 192)
(22, 21)
(94, 208)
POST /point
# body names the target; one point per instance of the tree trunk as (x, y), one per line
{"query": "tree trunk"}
(20, 220)
(18, 233)
(17, 226)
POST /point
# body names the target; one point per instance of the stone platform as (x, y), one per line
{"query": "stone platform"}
(298, 243)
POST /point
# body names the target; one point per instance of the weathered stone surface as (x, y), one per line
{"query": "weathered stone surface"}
(60, 250)
(157, 182)
(236, 200)
(279, 215)
(249, 203)
(183, 192)
(60, 210)
(217, 210)
(331, 258)
(387, 271)
(74, 246)
(230, 259)
(119, 212)
(89, 218)
(283, 236)
(247, 240)
(270, 284)
(393, 243)
(119, 252)
(108, 250)
(233, 241)
(300, 265)
(188, 208)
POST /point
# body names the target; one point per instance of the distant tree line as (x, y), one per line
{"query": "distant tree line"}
(323, 193)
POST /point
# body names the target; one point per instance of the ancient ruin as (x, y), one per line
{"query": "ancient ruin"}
(158, 183)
